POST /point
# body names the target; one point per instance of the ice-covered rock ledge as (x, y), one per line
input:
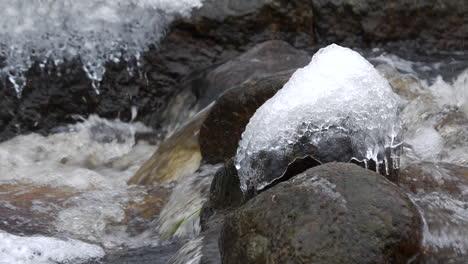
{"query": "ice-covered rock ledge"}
(338, 108)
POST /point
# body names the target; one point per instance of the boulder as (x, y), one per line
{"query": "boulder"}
(225, 189)
(439, 191)
(334, 213)
(222, 130)
(265, 59)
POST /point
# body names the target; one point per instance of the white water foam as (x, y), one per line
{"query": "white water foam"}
(93, 160)
(45, 250)
(83, 158)
(95, 31)
(437, 122)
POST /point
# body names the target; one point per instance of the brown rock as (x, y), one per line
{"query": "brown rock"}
(176, 157)
(334, 213)
(222, 130)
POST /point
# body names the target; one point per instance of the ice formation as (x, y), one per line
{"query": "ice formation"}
(338, 102)
(96, 31)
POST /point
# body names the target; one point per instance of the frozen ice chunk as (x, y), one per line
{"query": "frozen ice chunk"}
(95, 31)
(338, 108)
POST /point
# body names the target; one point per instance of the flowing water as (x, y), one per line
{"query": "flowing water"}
(64, 197)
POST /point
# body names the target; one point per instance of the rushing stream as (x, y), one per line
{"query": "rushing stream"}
(64, 197)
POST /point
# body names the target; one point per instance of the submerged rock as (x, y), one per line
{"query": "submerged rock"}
(334, 213)
(338, 108)
(176, 157)
(31, 210)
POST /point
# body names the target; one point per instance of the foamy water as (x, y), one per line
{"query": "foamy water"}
(85, 172)
(94, 31)
(44, 250)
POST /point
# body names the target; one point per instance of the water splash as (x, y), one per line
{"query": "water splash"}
(95, 31)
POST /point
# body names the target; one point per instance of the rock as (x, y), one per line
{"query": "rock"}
(240, 21)
(222, 130)
(431, 23)
(439, 191)
(262, 60)
(334, 213)
(140, 213)
(176, 157)
(225, 189)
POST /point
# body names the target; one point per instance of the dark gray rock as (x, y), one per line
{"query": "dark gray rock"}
(334, 213)
(225, 189)
(262, 60)
(443, 24)
(222, 130)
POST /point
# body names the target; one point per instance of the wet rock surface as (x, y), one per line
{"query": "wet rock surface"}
(225, 189)
(19, 201)
(177, 157)
(333, 213)
(430, 23)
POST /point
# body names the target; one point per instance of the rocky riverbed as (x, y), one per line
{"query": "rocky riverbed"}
(149, 170)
